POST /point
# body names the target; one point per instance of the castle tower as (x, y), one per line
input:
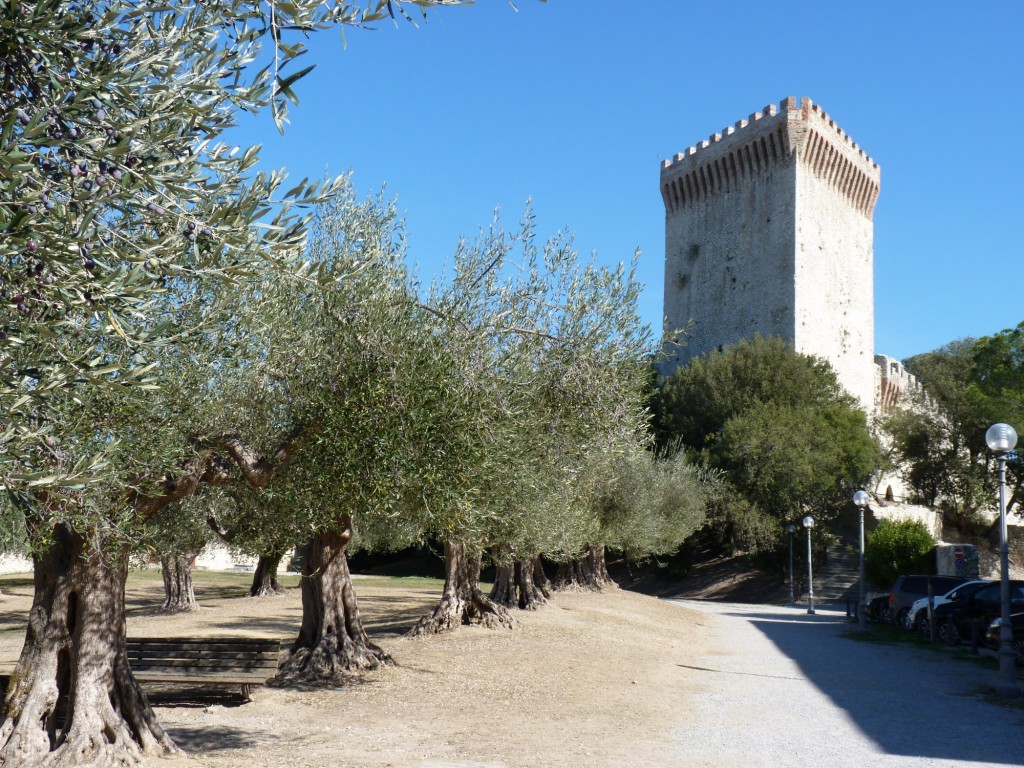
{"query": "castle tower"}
(768, 229)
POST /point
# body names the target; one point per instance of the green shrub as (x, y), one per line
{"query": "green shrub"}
(898, 547)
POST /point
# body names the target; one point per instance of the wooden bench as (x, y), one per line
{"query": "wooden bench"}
(241, 661)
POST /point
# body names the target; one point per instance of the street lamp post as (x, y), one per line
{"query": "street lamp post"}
(861, 499)
(808, 524)
(1001, 439)
(791, 529)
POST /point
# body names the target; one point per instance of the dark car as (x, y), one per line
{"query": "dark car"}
(953, 620)
(993, 639)
(906, 589)
(920, 617)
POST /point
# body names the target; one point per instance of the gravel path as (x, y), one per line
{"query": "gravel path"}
(789, 689)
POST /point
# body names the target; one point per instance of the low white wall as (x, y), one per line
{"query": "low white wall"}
(15, 564)
(217, 557)
(214, 557)
(892, 511)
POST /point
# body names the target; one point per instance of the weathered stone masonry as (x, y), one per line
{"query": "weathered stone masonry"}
(768, 229)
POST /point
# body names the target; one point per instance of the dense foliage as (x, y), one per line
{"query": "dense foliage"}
(898, 547)
(939, 439)
(777, 425)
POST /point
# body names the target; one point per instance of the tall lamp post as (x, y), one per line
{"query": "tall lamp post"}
(1001, 439)
(861, 499)
(791, 529)
(808, 524)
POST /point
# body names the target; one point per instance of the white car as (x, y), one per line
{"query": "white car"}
(917, 616)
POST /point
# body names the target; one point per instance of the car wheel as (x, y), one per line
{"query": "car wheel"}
(948, 633)
(901, 618)
(1018, 647)
(923, 625)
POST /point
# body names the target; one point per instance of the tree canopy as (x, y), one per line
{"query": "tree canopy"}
(779, 428)
(968, 385)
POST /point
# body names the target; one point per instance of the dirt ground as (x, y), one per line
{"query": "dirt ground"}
(589, 680)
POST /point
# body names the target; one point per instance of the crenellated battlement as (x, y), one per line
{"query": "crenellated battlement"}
(895, 385)
(798, 130)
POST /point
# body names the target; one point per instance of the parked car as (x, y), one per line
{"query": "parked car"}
(917, 617)
(878, 610)
(906, 589)
(993, 639)
(953, 620)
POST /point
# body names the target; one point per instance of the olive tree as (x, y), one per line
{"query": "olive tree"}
(121, 211)
(558, 357)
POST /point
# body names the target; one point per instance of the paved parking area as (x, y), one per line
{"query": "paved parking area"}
(789, 689)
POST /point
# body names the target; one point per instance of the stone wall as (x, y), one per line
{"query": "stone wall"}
(931, 519)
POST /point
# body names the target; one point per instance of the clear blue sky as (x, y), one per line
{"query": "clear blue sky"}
(574, 103)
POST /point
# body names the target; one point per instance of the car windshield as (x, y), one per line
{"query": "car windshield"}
(962, 590)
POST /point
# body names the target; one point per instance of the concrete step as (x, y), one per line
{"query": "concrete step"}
(841, 575)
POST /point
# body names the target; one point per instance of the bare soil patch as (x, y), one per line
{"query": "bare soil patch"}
(595, 679)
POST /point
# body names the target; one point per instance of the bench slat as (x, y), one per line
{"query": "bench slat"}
(185, 653)
(185, 664)
(148, 676)
(156, 645)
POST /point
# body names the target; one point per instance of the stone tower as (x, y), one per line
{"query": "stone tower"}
(768, 229)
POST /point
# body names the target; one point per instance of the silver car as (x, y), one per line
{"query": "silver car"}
(917, 616)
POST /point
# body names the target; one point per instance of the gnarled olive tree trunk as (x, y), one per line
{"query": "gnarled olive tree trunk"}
(332, 642)
(72, 700)
(463, 602)
(589, 572)
(523, 584)
(179, 593)
(264, 580)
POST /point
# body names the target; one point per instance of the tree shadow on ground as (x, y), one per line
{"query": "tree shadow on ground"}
(198, 740)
